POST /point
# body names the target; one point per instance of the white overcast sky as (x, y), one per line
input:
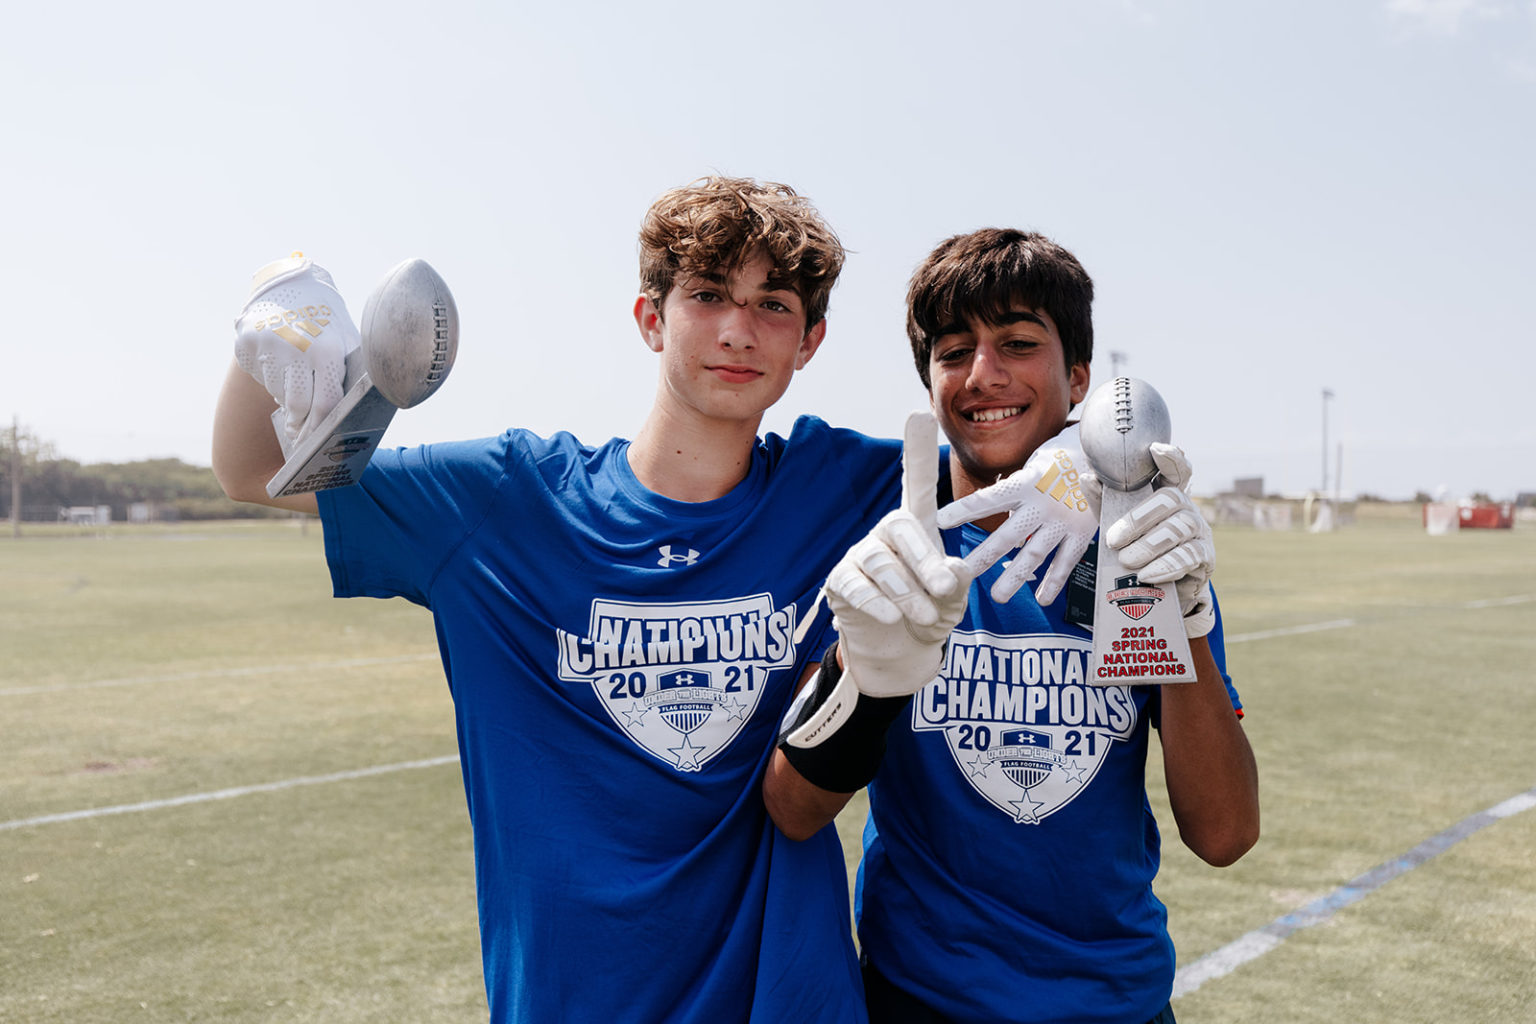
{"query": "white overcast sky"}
(1273, 199)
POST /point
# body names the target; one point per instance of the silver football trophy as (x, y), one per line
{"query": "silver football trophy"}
(1138, 628)
(409, 339)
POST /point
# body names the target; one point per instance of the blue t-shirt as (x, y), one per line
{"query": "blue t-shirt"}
(619, 664)
(1010, 850)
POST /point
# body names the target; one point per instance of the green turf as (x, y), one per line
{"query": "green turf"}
(148, 663)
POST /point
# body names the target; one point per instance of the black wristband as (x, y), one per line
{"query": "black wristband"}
(846, 756)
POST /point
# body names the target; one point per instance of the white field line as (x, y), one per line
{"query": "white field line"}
(1256, 943)
(1318, 627)
(1497, 602)
(1311, 627)
(216, 673)
(226, 794)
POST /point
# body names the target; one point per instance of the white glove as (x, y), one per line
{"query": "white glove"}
(1165, 539)
(1048, 507)
(895, 596)
(293, 336)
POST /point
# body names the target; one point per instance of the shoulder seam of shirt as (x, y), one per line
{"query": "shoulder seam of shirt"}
(471, 530)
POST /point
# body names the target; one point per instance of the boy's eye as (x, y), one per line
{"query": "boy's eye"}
(952, 355)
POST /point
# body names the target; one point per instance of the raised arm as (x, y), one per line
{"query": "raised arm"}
(246, 452)
(1212, 777)
(291, 345)
(895, 597)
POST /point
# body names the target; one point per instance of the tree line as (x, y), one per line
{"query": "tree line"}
(43, 486)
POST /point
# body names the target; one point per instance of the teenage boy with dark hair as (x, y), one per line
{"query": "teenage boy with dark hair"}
(1010, 851)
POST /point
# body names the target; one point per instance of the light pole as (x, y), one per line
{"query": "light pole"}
(1115, 359)
(1327, 394)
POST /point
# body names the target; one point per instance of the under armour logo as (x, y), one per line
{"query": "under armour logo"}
(669, 559)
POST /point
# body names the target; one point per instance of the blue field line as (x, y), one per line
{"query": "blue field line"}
(1256, 943)
(217, 673)
(226, 794)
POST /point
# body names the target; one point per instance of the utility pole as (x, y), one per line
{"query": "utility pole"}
(1327, 395)
(1338, 473)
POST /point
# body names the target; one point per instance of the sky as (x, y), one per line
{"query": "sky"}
(1274, 200)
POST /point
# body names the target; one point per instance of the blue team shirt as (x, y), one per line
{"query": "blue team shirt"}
(1010, 850)
(619, 664)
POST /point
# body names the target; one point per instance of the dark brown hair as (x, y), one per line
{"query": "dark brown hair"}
(981, 276)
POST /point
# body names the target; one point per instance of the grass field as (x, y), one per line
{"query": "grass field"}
(140, 665)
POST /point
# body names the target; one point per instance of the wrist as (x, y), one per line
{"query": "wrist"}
(837, 740)
(899, 673)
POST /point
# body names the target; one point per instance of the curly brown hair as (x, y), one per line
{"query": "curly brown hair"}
(716, 224)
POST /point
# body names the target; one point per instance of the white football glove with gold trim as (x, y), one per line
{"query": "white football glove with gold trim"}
(293, 336)
(1049, 509)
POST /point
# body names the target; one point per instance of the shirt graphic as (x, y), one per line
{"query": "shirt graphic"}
(1022, 723)
(680, 679)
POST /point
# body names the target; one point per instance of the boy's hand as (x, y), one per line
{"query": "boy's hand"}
(293, 336)
(1165, 539)
(1052, 505)
(895, 595)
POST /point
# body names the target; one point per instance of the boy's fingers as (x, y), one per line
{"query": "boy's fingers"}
(923, 558)
(920, 472)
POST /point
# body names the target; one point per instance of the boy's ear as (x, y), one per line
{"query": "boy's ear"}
(648, 319)
(1077, 378)
(810, 343)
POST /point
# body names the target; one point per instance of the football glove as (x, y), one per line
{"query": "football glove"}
(1052, 505)
(895, 596)
(1165, 539)
(293, 336)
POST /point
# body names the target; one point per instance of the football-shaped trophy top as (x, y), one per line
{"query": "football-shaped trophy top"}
(1120, 421)
(410, 333)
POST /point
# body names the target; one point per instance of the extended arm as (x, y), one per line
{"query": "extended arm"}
(1213, 780)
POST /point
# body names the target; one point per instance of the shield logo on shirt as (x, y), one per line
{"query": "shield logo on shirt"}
(1020, 757)
(680, 712)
